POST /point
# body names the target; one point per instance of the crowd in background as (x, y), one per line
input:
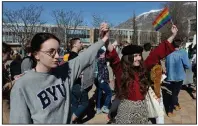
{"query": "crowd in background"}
(48, 87)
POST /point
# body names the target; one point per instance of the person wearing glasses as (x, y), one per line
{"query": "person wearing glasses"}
(42, 95)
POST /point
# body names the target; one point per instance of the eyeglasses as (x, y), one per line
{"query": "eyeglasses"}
(51, 52)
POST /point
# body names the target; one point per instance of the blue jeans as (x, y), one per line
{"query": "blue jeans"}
(79, 100)
(104, 86)
(175, 88)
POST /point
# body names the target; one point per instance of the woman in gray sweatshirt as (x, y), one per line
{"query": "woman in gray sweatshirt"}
(42, 95)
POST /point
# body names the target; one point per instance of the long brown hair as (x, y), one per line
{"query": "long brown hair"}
(128, 76)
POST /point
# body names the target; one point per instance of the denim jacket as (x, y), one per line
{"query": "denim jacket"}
(176, 63)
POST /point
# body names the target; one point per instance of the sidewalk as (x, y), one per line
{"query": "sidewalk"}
(187, 115)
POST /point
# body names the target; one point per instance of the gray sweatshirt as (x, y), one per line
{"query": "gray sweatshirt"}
(88, 76)
(26, 65)
(44, 98)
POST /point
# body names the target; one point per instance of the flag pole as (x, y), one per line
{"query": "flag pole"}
(172, 22)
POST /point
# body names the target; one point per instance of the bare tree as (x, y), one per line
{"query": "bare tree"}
(116, 34)
(153, 37)
(67, 21)
(98, 19)
(60, 33)
(23, 23)
(179, 12)
(135, 34)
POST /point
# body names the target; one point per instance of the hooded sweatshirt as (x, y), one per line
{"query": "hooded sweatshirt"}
(43, 98)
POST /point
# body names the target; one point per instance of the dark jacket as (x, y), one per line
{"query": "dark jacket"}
(15, 68)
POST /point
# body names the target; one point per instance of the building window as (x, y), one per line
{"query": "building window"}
(47, 30)
(43, 29)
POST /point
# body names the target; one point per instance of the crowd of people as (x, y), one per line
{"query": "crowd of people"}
(45, 90)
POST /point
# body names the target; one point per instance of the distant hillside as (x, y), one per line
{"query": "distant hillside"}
(144, 20)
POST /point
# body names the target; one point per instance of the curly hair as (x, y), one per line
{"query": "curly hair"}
(128, 76)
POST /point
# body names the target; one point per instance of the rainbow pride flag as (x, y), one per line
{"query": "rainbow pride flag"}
(162, 19)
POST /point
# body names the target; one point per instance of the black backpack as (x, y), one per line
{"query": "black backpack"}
(192, 51)
(15, 68)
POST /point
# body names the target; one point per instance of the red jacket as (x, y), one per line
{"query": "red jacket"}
(154, 57)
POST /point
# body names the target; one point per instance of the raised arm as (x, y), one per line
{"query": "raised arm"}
(112, 56)
(86, 58)
(164, 49)
(174, 31)
(110, 46)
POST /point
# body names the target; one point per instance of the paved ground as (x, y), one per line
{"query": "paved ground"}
(187, 115)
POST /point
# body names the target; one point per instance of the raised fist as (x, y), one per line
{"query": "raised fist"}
(174, 30)
(104, 30)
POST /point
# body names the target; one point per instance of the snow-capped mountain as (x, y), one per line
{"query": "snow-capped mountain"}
(190, 3)
(144, 20)
(145, 14)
